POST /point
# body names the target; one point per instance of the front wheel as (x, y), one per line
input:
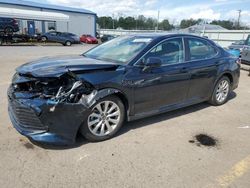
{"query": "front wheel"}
(221, 92)
(104, 119)
(44, 39)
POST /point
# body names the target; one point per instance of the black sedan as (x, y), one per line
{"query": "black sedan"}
(127, 78)
(66, 39)
(106, 38)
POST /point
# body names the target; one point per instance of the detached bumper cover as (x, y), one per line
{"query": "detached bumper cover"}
(43, 120)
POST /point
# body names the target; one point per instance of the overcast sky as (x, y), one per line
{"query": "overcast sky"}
(174, 10)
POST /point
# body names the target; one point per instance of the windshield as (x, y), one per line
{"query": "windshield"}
(119, 50)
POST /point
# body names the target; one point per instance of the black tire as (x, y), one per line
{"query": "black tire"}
(8, 30)
(68, 43)
(84, 129)
(44, 39)
(213, 100)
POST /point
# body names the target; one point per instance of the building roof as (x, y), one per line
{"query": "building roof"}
(32, 14)
(46, 6)
(200, 27)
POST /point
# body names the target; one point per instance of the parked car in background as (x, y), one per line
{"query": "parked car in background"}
(8, 25)
(234, 52)
(67, 39)
(106, 38)
(97, 35)
(127, 78)
(245, 53)
(237, 45)
(88, 39)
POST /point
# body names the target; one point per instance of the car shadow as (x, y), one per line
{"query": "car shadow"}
(128, 126)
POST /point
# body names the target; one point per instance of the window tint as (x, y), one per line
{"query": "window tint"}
(200, 49)
(170, 52)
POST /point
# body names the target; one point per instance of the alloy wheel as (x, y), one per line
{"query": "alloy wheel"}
(104, 118)
(222, 91)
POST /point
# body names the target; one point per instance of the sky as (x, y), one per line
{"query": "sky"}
(174, 10)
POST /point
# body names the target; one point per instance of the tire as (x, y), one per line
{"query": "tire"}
(221, 92)
(44, 39)
(68, 43)
(8, 30)
(94, 119)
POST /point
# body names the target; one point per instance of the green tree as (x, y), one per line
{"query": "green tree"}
(189, 22)
(224, 23)
(105, 22)
(165, 25)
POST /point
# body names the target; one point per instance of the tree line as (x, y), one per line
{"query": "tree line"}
(143, 23)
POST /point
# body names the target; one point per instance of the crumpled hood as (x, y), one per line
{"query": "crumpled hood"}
(57, 66)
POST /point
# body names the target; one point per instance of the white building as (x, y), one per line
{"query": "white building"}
(40, 18)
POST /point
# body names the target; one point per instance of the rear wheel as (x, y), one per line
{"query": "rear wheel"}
(104, 119)
(68, 43)
(221, 92)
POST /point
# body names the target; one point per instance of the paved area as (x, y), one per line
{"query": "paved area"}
(152, 152)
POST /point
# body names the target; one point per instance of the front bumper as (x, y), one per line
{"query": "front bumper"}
(43, 120)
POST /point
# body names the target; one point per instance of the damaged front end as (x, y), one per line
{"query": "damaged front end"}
(49, 110)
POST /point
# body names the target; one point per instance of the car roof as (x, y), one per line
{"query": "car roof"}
(169, 35)
(157, 35)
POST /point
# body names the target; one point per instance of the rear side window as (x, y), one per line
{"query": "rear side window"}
(200, 49)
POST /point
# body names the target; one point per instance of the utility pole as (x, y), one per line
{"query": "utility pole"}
(158, 20)
(113, 20)
(238, 25)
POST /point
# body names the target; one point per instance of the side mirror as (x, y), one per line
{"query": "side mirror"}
(152, 62)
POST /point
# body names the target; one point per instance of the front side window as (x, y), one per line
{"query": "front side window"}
(170, 52)
(200, 49)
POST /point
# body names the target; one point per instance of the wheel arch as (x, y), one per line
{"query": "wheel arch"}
(227, 74)
(115, 92)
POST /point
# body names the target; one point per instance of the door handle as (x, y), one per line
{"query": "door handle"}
(184, 70)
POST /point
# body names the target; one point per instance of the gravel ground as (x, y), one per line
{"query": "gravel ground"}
(160, 151)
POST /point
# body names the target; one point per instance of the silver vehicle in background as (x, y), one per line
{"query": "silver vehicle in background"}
(245, 53)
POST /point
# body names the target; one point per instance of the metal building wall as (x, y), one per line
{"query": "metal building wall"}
(79, 23)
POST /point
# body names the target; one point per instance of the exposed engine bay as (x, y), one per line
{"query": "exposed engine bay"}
(67, 88)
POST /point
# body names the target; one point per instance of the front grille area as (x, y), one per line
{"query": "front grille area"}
(25, 117)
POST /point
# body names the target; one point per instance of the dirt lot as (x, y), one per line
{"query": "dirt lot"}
(154, 152)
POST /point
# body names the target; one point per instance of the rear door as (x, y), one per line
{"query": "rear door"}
(202, 62)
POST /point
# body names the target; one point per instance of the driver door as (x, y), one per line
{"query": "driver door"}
(161, 87)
